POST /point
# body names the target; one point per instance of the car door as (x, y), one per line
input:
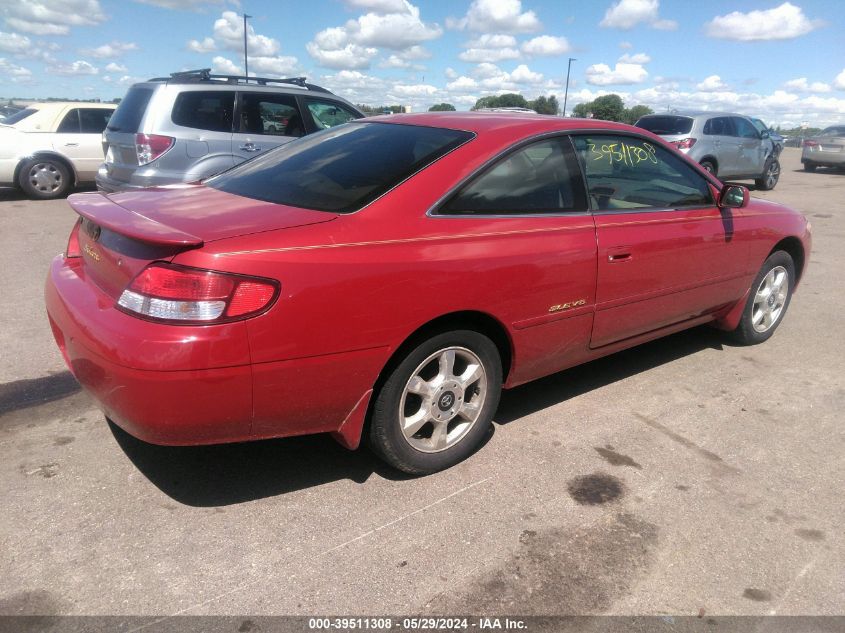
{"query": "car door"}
(265, 121)
(751, 149)
(666, 252)
(528, 215)
(79, 137)
(725, 144)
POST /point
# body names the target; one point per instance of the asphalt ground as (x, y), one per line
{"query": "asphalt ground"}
(683, 477)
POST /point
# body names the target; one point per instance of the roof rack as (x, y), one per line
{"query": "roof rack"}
(204, 74)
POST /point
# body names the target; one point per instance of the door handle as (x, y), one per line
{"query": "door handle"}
(71, 144)
(619, 255)
(250, 147)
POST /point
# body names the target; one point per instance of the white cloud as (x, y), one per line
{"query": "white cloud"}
(206, 45)
(462, 83)
(626, 14)
(115, 68)
(51, 17)
(225, 66)
(524, 75)
(490, 48)
(604, 75)
(279, 65)
(781, 23)
(188, 5)
(78, 67)
(546, 46)
(626, 46)
(503, 16)
(18, 74)
(14, 43)
(356, 43)
(839, 82)
(413, 90)
(637, 58)
(229, 32)
(802, 85)
(713, 83)
(109, 51)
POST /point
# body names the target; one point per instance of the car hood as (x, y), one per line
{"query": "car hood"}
(209, 214)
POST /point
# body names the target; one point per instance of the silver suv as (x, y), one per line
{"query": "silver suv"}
(193, 124)
(725, 144)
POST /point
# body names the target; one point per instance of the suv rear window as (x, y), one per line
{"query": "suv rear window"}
(127, 117)
(205, 110)
(666, 125)
(340, 169)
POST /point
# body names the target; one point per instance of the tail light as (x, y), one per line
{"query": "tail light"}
(73, 249)
(178, 294)
(148, 147)
(811, 144)
(686, 143)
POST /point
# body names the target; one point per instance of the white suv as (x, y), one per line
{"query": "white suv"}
(48, 148)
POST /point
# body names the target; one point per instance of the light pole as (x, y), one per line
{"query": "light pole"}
(566, 92)
(246, 65)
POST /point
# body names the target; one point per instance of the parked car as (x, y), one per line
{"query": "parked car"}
(310, 290)
(725, 144)
(48, 148)
(827, 149)
(194, 124)
(776, 139)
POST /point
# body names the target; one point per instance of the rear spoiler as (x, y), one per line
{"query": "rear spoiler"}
(98, 208)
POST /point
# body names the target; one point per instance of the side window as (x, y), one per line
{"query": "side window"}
(630, 173)
(719, 126)
(204, 110)
(93, 120)
(540, 178)
(327, 114)
(70, 124)
(744, 128)
(265, 113)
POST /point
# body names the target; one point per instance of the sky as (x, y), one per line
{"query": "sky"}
(781, 61)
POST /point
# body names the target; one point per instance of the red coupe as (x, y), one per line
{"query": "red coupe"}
(388, 277)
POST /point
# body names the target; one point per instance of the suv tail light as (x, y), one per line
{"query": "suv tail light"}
(686, 143)
(170, 293)
(811, 144)
(148, 147)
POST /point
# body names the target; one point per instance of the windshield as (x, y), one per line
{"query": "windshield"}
(340, 169)
(18, 116)
(666, 125)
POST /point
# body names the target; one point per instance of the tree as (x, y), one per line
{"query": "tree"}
(442, 107)
(545, 105)
(633, 114)
(507, 100)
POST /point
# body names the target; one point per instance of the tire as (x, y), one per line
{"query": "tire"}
(770, 177)
(44, 178)
(709, 165)
(444, 393)
(762, 314)
(810, 167)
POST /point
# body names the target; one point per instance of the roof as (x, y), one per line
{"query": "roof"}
(494, 121)
(694, 113)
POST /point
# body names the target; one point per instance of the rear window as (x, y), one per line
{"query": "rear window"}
(341, 169)
(666, 125)
(18, 116)
(127, 117)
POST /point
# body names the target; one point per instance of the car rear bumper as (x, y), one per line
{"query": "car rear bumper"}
(190, 385)
(138, 180)
(821, 157)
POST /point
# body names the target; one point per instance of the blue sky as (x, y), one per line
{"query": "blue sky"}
(783, 61)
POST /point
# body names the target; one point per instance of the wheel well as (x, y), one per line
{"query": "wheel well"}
(792, 245)
(58, 157)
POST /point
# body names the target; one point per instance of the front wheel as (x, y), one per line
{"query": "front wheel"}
(438, 403)
(770, 176)
(768, 300)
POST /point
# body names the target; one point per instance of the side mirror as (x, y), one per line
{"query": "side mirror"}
(764, 134)
(734, 196)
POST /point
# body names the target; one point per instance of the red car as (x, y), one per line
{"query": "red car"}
(387, 278)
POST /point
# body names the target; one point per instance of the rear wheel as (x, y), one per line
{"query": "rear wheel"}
(44, 178)
(709, 165)
(809, 167)
(770, 176)
(768, 300)
(438, 403)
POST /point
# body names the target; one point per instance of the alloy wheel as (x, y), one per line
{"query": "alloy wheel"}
(770, 299)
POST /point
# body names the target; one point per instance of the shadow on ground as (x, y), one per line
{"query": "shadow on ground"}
(21, 394)
(227, 474)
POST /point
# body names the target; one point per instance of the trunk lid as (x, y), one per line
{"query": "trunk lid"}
(122, 233)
